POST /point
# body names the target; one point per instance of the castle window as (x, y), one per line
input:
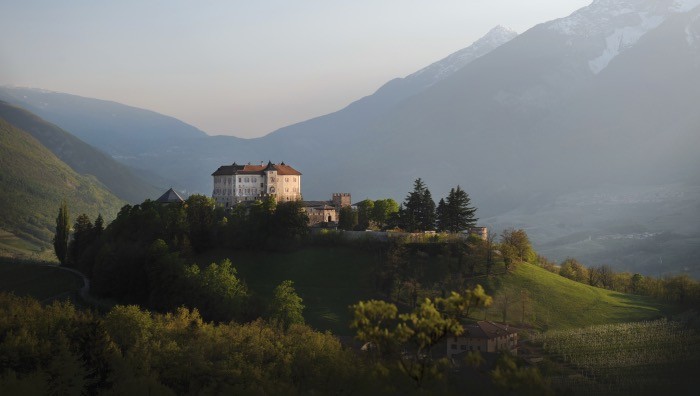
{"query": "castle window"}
(295, 179)
(255, 180)
(286, 179)
(247, 179)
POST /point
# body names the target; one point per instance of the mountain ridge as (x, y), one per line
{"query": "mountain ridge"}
(80, 156)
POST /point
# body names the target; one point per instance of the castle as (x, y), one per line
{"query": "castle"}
(238, 183)
(235, 183)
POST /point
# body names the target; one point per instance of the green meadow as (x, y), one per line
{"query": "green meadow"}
(330, 279)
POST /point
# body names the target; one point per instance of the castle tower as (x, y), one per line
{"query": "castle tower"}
(341, 200)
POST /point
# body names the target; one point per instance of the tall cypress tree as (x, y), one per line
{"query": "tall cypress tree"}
(60, 240)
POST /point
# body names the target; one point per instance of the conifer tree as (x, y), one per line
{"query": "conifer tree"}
(441, 214)
(60, 240)
(457, 215)
(419, 209)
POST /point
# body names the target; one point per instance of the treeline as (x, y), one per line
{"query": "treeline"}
(417, 213)
(144, 256)
(679, 289)
(57, 349)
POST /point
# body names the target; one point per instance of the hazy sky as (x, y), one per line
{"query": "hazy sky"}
(242, 68)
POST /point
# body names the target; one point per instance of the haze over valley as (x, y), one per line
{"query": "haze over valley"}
(583, 130)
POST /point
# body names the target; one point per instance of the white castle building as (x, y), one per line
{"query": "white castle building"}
(238, 183)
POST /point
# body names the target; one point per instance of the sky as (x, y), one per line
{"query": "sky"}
(243, 68)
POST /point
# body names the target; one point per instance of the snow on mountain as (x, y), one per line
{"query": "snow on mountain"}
(618, 24)
(450, 64)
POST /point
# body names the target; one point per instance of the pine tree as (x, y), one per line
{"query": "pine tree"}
(441, 214)
(60, 240)
(427, 215)
(419, 209)
(99, 225)
(458, 215)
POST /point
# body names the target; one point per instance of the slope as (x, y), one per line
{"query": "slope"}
(116, 129)
(80, 156)
(34, 181)
(329, 279)
(187, 157)
(555, 302)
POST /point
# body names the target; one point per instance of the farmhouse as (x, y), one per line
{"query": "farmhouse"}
(485, 337)
(238, 183)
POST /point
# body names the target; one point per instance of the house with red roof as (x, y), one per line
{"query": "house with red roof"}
(239, 183)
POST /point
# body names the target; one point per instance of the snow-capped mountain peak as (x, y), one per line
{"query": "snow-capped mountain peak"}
(441, 69)
(618, 24)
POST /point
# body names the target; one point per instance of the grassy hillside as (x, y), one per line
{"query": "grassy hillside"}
(83, 158)
(331, 279)
(33, 184)
(555, 302)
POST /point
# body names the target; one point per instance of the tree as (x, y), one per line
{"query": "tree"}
(520, 242)
(383, 210)
(457, 214)
(418, 209)
(442, 215)
(289, 221)
(99, 225)
(427, 214)
(364, 214)
(378, 323)
(514, 380)
(60, 240)
(286, 307)
(201, 220)
(572, 269)
(509, 255)
(347, 218)
(83, 237)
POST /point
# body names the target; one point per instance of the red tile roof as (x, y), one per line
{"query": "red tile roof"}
(485, 329)
(282, 169)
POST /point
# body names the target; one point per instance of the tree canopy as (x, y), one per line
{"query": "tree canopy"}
(454, 213)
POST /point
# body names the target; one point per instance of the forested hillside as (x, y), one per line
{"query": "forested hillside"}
(34, 181)
(83, 158)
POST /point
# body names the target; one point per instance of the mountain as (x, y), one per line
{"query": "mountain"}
(83, 158)
(601, 103)
(117, 129)
(34, 182)
(185, 157)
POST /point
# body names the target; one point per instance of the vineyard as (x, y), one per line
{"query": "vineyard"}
(627, 358)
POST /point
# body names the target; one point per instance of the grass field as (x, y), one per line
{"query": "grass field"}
(38, 281)
(554, 302)
(331, 279)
